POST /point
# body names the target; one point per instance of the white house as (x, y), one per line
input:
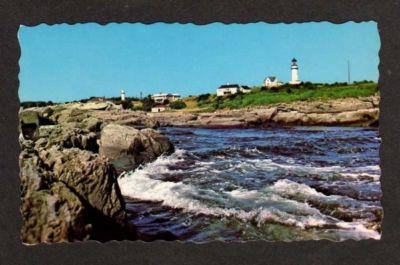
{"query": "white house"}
(245, 89)
(295, 73)
(175, 97)
(272, 81)
(161, 98)
(159, 108)
(228, 89)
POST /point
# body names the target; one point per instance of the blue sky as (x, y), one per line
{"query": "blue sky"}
(70, 62)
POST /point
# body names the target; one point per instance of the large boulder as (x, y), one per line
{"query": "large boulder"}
(68, 191)
(53, 215)
(29, 124)
(51, 211)
(70, 194)
(91, 177)
(127, 147)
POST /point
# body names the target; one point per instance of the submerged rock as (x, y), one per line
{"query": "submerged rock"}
(127, 147)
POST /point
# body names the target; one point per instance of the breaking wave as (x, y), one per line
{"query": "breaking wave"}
(279, 200)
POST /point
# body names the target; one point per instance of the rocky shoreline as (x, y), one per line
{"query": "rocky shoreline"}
(69, 164)
(340, 112)
(72, 154)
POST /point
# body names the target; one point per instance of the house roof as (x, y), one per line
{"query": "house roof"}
(165, 95)
(271, 78)
(229, 86)
(246, 87)
(159, 95)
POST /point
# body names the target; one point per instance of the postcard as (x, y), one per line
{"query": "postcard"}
(200, 133)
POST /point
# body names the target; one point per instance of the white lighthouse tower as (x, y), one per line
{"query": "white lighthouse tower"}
(295, 73)
(122, 95)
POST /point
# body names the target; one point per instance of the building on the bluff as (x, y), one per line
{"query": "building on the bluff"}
(231, 89)
(272, 81)
(162, 98)
(159, 108)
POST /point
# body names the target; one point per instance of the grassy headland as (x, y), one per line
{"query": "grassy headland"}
(261, 96)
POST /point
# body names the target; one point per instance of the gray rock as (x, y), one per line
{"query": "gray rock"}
(66, 137)
(29, 124)
(90, 176)
(128, 147)
(53, 215)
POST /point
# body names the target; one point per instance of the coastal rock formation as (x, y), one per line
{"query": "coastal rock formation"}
(69, 194)
(72, 154)
(57, 135)
(128, 147)
(363, 117)
(51, 211)
(53, 215)
(91, 177)
(29, 124)
(69, 187)
(340, 112)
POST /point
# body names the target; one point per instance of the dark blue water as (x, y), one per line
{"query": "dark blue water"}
(250, 184)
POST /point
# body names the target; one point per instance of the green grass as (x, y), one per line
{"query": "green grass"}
(286, 94)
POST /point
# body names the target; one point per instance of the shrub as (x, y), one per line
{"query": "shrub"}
(147, 103)
(177, 104)
(203, 97)
(127, 104)
(31, 104)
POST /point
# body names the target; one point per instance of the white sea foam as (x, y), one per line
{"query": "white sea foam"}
(374, 177)
(139, 185)
(189, 198)
(285, 186)
(244, 194)
(355, 172)
(359, 231)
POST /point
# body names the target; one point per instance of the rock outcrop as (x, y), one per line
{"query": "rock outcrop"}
(72, 154)
(127, 147)
(69, 194)
(340, 112)
(51, 211)
(69, 191)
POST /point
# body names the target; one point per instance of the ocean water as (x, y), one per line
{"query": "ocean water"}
(279, 184)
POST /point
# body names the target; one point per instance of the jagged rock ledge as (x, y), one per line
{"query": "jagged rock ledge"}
(340, 112)
(69, 164)
(362, 111)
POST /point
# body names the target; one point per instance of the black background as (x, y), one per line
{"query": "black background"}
(30, 13)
